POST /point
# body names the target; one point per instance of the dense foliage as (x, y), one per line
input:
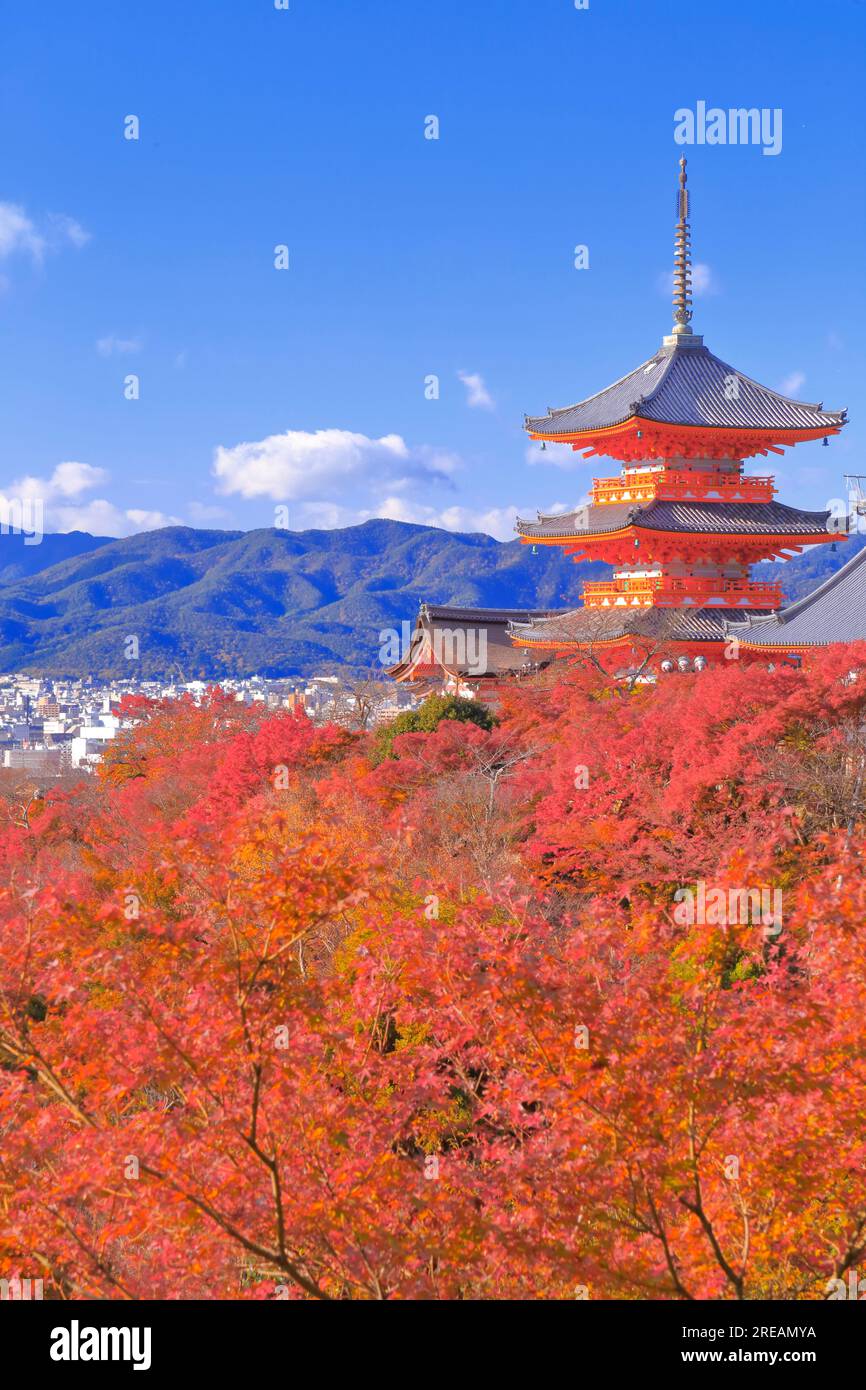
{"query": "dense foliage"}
(283, 1018)
(427, 716)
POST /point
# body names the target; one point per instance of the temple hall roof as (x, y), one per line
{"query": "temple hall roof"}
(834, 612)
(448, 639)
(588, 626)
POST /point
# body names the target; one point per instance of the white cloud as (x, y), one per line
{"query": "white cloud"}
(300, 464)
(20, 235)
(792, 383)
(71, 479)
(496, 521)
(398, 509)
(140, 519)
(60, 500)
(102, 518)
(68, 480)
(111, 345)
(477, 394)
(704, 281)
(558, 508)
(557, 455)
(67, 229)
(492, 521)
(322, 516)
(17, 233)
(201, 513)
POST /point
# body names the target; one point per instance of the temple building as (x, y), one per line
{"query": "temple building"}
(834, 612)
(683, 523)
(467, 651)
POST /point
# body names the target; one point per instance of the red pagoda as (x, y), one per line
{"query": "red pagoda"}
(683, 523)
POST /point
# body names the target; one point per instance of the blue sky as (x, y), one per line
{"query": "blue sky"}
(408, 257)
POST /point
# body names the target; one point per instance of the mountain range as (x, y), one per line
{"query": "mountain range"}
(22, 555)
(207, 604)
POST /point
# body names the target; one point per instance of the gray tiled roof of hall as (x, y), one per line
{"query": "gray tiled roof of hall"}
(686, 386)
(442, 613)
(834, 612)
(587, 625)
(445, 622)
(730, 518)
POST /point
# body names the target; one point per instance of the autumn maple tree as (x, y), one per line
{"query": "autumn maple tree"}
(281, 1016)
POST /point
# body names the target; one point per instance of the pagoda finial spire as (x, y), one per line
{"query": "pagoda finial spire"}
(682, 259)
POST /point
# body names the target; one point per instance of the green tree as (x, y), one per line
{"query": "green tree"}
(427, 717)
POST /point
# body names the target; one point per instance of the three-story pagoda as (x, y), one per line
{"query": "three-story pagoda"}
(683, 523)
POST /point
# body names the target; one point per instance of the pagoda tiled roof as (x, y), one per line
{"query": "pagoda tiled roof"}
(584, 626)
(834, 612)
(715, 518)
(686, 386)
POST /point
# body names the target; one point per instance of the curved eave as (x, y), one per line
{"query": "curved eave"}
(418, 668)
(563, 645)
(405, 671)
(801, 645)
(782, 648)
(534, 428)
(652, 428)
(631, 532)
(632, 639)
